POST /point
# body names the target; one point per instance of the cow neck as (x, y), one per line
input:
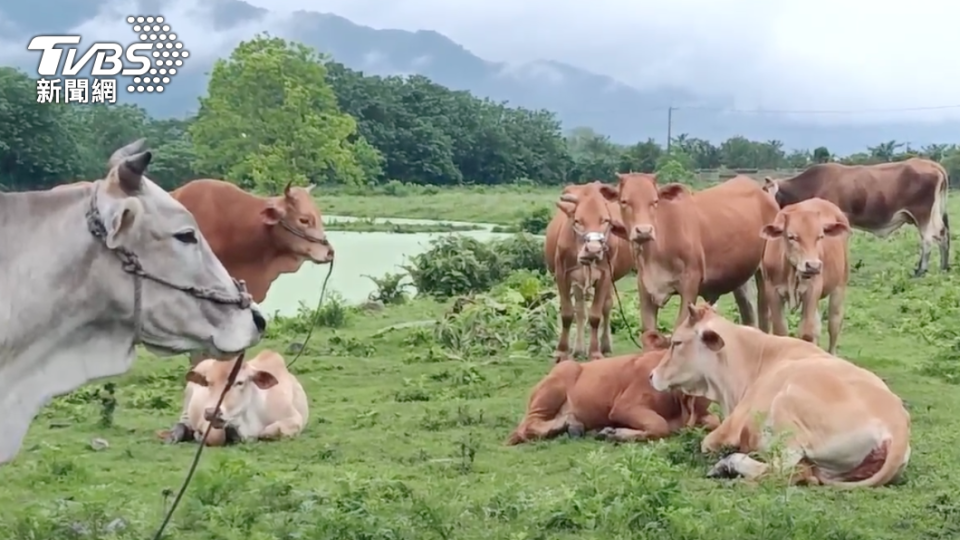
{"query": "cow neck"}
(60, 330)
(747, 358)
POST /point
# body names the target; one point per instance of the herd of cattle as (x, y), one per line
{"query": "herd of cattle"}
(842, 423)
(181, 273)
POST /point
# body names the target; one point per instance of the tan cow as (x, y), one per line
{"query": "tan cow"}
(266, 401)
(880, 199)
(79, 183)
(826, 420)
(612, 395)
(695, 244)
(582, 250)
(804, 261)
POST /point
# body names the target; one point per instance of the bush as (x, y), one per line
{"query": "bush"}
(455, 265)
(334, 313)
(535, 222)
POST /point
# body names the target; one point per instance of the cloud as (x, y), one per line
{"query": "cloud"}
(789, 55)
(785, 55)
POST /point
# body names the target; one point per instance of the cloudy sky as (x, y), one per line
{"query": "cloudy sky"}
(784, 55)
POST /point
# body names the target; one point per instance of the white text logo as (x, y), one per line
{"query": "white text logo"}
(157, 56)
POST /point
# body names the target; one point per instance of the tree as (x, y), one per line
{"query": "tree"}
(822, 155)
(270, 117)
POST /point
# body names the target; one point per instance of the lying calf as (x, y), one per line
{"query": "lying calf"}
(612, 395)
(265, 402)
(842, 425)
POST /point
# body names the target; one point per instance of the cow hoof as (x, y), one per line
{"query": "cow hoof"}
(722, 469)
(576, 430)
(560, 356)
(596, 356)
(919, 273)
(232, 435)
(178, 433)
(606, 433)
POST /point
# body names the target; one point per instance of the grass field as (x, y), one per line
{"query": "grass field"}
(405, 439)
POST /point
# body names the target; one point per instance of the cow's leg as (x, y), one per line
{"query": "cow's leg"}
(606, 340)
(923, 264)
(742, 296)
(835, 316)
(288, 427)
(810, 324)
(566, 315)
(763, 308)
(547, 413)
(688, 295)
(775, 303)
(945, 244)
(579, 303)
(648, 309)
(640, 424)
(600, 294)
(181, 431)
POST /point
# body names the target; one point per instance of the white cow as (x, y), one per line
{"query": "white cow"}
(265, 402)
(88, 273)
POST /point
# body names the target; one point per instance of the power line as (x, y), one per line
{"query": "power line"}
(804, 111)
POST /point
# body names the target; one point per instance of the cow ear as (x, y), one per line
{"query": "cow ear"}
(263, 379)
(712, 340)
(835, 229)
(272, 213)
(672, 191)
(197, 378)
(123, 221)
(567, 207)
(654, 341)
(771, 232)
(610, 193)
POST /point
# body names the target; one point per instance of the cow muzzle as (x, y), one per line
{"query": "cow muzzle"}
(657, 383)
(809, 268)
(594, 246)
(215, 417)
(641, 234)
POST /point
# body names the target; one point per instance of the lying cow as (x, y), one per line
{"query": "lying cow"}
(880, 198)
(839, 423)
(804, 261)
(612, 395)
(91, 272)
(266, 402)
(695, 244)
(582, 250)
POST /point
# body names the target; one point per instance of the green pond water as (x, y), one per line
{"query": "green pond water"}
(358, 253)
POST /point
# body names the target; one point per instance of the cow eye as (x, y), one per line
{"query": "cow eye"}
(187, 237)
(238, 383)
(305, 221)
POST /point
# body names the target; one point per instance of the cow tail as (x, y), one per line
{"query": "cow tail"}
(896, 454)
(944, 189)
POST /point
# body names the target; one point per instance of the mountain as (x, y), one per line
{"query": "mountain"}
(579, 97)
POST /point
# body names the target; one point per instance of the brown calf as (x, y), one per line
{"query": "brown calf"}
(581, 252)
(612, 395)
(880, 199)
(804, 261)
(695, 244)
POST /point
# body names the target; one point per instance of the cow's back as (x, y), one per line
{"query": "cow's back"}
(731, 216)
(227, 216)
(870, 194)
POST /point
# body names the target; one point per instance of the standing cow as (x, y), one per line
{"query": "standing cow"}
(806, 259)
(695, 244)
(581, 250)
(880, 199)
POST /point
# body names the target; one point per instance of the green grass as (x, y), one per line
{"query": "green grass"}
(369, 225)
(407, 445)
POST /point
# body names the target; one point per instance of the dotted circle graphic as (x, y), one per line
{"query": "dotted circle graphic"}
(167, 52)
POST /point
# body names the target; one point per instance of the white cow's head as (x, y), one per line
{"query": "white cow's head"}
(182, 298)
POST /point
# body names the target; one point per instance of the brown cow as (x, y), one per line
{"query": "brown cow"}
(880, 198)
(612, 395)
(695, 244)
(833, 421)
(580, 252)
(804, 261)
(256, 239)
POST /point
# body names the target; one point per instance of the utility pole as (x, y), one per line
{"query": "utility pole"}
(669, 127)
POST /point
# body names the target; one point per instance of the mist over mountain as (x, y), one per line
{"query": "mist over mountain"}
(578, 96)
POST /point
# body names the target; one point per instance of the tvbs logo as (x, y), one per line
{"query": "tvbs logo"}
(151, 62)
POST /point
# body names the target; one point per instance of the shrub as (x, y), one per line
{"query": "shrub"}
(455, 265)
(334, 313)
(535, 222)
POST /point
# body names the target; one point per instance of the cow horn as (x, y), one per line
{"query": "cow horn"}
(570, 198)
(286, 190)
(126, 151)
